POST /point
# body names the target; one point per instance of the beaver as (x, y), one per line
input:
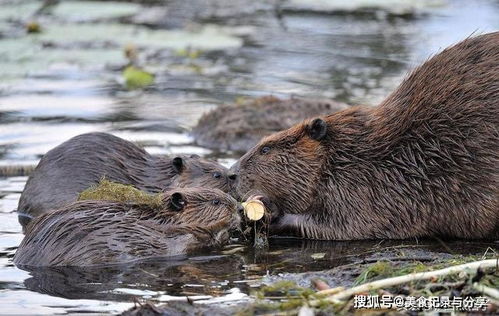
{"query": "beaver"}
(88, 233)
(84, 160)
(239, 127)
(425, 162)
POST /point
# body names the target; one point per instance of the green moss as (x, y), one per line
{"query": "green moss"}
(286, 298)
(112, 191)
(385, 269)
(413, 267)
(454, 261)
(379, 269)
(288, 294)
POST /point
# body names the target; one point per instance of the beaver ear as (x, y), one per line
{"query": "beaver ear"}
(317, 129)
(178, 164)
(178, 201)
(195, 156)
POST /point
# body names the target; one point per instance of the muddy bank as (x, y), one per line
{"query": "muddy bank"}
(289, 298)
(238, 127)
(288, 292)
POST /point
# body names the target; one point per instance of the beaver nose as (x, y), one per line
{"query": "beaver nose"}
(232, 176)
(240, 209)
(234, 169)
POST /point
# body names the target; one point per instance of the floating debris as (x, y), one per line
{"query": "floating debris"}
(136, 78)
(475, 281)
(33, 27)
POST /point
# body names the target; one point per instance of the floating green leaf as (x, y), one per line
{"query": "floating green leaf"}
(136, 78)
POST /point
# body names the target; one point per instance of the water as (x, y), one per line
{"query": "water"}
(67, 81)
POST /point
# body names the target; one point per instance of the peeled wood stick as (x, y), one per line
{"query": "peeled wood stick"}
(491, 292)
(408, 278)
(331, 291)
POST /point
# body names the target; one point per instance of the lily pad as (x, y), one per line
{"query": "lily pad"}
(209, 37)
(19, 10)
(23, 56)
(94, 10)
(71, 10)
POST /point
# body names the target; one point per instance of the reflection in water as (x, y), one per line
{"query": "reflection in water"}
(215, 275)
(161, 277)
(55, 88)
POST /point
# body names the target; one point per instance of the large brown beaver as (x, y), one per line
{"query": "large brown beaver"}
(99, 232)
(425, 162)
(84, 160)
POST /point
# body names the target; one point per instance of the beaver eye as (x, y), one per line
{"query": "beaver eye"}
(215, 202)
(265, 150)
(217, 175)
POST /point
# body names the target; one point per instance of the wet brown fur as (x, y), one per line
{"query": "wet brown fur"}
(102, 232)
(84, 160)
(425, 162)
(239, 127)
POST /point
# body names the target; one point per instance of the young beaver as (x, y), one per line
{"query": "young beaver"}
(99, 232)
(425, 162)
(84, 160)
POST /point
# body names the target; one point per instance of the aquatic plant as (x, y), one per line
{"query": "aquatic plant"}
(112, 191)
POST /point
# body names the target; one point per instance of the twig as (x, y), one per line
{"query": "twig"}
(421, 259)
(406, 278)
(491, 292)
(487, 251)
(332, 291)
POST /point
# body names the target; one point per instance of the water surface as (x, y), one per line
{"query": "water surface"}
(67, 80)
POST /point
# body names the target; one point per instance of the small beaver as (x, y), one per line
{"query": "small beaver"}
(99, 232)
(425, 162)
(84, 160)
(239, 127)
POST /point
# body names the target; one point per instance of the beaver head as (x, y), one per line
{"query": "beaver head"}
(194, 171)
(306, 174)
(294, 153)
(198, 209)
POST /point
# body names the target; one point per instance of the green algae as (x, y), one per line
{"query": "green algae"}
(111, 191)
